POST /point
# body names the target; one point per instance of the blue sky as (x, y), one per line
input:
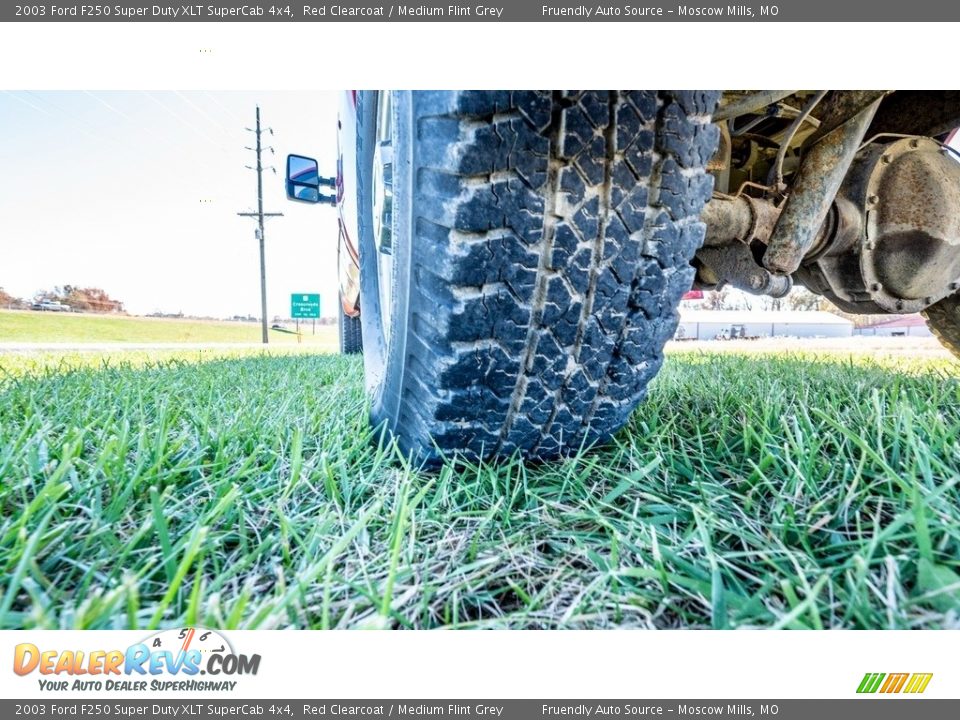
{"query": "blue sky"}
(137, 193)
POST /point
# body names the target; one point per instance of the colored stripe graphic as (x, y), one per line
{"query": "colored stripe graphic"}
(894, 683)
(870, 682)
(918, 682)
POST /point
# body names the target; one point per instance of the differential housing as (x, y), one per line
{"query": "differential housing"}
(894, 244)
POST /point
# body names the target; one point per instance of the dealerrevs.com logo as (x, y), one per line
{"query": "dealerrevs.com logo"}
(892, 683)
(169, 660)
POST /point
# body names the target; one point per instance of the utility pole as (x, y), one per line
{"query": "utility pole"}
(260, 215)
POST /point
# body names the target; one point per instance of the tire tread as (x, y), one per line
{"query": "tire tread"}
(351, 334)
(552, 246)
(943, 319)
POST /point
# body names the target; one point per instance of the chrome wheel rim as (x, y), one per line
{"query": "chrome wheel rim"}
(383, 207)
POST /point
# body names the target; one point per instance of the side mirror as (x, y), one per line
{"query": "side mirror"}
(304, 181)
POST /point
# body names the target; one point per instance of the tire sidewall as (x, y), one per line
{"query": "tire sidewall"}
(342, 325)
(384, 361)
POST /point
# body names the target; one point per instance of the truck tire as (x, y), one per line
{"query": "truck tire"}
(943, 319)
(351, 334)
(539, 244)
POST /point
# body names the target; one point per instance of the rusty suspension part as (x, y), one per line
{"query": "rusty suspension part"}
(735, 224)
(840, 105)
(741, 218)
(750, 103)
(746, 219)
(813, 191)
(889, 241)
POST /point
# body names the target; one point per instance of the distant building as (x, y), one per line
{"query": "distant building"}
(725, 324)
(902, 326)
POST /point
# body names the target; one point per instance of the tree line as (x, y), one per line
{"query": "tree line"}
(87, 299)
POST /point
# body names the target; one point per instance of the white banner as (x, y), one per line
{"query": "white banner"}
(505, 664)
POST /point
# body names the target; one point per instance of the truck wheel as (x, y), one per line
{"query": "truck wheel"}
(522, 257)
(351, 334)
(943, 319)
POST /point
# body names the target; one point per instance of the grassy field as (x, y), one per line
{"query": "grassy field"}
(245, 491)
(46, 327)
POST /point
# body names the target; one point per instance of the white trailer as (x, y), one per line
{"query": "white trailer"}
(713, 324)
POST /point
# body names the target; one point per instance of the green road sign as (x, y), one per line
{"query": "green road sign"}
(304, 305)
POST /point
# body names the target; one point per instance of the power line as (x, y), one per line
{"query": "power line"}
(260, 215)
(202, 133)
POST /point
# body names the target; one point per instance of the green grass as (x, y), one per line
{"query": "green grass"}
(33, 363)
(247, 492)
(46, 327)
